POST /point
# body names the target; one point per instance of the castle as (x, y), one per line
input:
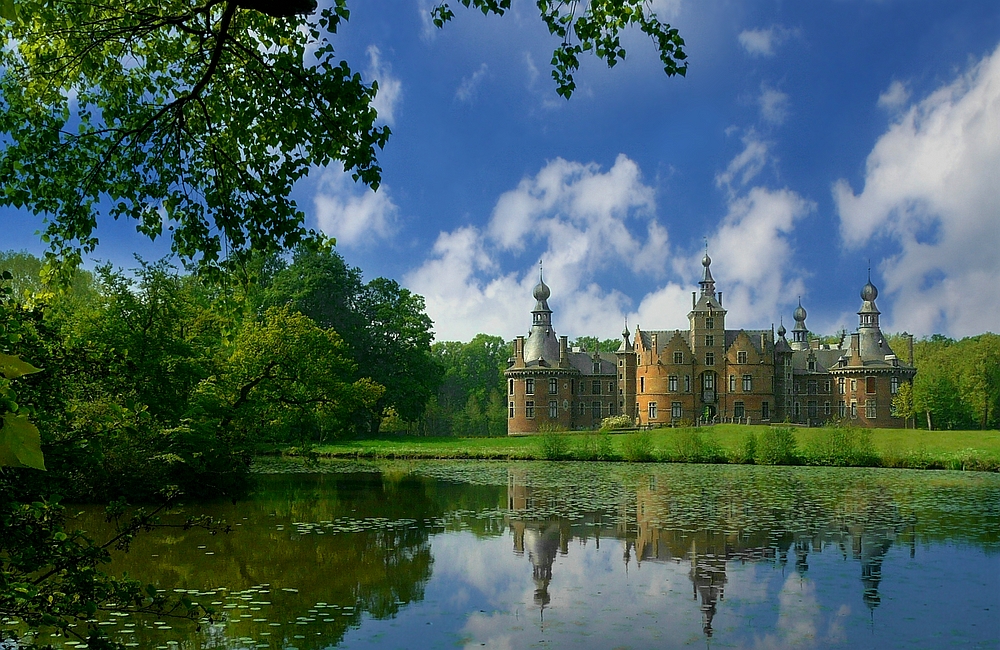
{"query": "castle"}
(705, 373)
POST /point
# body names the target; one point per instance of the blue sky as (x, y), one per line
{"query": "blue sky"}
(806, 139)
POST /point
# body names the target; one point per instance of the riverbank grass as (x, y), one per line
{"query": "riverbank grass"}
(725, 443)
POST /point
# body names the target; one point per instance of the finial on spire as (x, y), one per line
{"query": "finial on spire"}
(539, 270)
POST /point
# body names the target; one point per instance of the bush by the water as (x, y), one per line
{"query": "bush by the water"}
(553, 443)
(842, 447)
(595, 446)
(775, 446)
(637, 447)
(692, 445)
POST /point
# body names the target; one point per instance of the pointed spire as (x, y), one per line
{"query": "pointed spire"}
(707, 282)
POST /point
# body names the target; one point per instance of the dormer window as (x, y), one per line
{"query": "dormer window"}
(678, 357)
(741, 356)
(597, 367)
(812, 365)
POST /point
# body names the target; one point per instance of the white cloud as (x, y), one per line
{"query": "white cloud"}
(895, 96)
(773, 105)
(762, 42)
(467, 89)
(666, 9)
(390, 89)
(754, 251)
(931, 187)
(353, 213)
(585, 221)
(747, 164)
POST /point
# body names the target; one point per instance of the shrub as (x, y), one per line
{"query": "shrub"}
(637, 447)
(553, 443)
(694, 446)
(747, 449)
(775, 446)
(617, 422)
(843, 446)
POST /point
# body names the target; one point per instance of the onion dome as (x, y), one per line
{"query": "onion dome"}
(869, 292)
(782, 330)
(706, 261)
(541, 291)
(800, 313)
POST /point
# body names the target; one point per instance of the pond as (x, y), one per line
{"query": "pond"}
(583, 555)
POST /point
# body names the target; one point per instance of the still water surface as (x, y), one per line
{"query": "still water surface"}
(585, 555)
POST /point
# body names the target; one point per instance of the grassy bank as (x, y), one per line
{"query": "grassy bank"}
(762, 445)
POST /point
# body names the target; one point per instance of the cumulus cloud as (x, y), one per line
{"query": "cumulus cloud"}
(466, 91)
(353, 213)
(582, 219)
(753, 242)
(587, 222)
(773, 105)
(390, 89)
(895, 96)
(930, 186)
(762, 42)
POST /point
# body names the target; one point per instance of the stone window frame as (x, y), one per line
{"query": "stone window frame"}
(741, 356)
(595, 410)
(739, 409)
(871, 385)
(553, 386)
(553, 409)
(826, 407)
(529, 386)
(652, 411)
(687, 383)
(765, 410)
(510, 386)
(595, 384)
(709, 322)
(709, 340)
(870, 409)
(709, 358)
(672, 383)
(529, 409)
(842, 385)
(747, 383)
(732, 383)
(893, 385)
(510, 410)
(676, 410)
(678, 357)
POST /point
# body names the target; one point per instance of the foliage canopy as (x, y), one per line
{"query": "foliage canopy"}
(195, 118)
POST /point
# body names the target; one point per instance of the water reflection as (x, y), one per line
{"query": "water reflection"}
(506, 555)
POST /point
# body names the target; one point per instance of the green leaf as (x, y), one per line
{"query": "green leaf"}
(20, 444)
(7, 10)
(12, 367)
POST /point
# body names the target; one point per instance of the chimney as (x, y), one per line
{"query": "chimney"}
(909, 340)
(855, 349)
(720, 298)
(656, 348)
(519, 351)
(694, 299)
(563, 359)
(814, 343)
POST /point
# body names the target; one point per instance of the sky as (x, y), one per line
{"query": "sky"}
(808, 141)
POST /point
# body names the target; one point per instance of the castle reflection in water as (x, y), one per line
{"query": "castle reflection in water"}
(707, 533)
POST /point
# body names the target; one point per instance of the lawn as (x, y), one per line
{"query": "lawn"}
(721, 443)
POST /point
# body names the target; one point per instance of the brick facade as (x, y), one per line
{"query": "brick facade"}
(706, 373)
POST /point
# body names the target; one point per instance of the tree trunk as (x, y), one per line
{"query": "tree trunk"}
(929, 427)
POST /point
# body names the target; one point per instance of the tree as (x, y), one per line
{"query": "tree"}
(384, 326)
(195, 118)
(286, 379)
